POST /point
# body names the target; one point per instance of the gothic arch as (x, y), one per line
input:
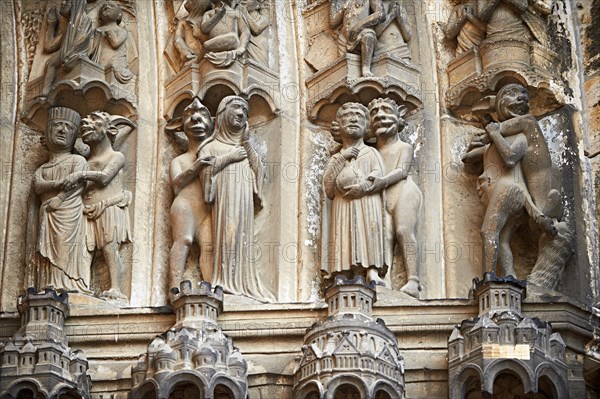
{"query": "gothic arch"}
(511, 366)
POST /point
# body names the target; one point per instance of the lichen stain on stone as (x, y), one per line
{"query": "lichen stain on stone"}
(314, 179)
(592, 40)
(559, 36)
(558, 142)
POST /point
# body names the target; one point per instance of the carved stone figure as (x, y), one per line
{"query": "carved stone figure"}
(68, 39)
(228, 33)
(110, 42)
(358, 20)
(188, 36)
(190, 215)
(517, 177)
(106, 201)
(403, 197)
(464, 27)
(231, 180)
(60, 260)
(357, 233)
(515, 19)
(256, 15)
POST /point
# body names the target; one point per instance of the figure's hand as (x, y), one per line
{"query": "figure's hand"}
(493, 128)
(53, 204)
(239, 154)
(209, 160)
(239, 51)
(466, 11)
(378, 184)
(94, 211)
(72, 181)
(353, 34)
(479, 140)
(350, 153)
(356, 191)
(52, 15)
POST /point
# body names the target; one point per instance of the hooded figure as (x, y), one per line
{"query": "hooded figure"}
(231, 181)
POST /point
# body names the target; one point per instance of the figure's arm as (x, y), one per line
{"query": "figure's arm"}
(405, 29)
(104, 177)
(116, 37)
(520, 5)
(256, 25)
(518, 124)
(377, 16)
(455, 23)
(245, 34)
(54, 31)
(486, 9)
(181, 178)
(402, 167)
(544, 7)
(511, 153)
(336, 13)
(332, 170)
(211, 19)
(41, 186)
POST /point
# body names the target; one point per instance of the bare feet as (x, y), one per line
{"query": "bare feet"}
(411, 287)
(373, 276)
(113, 294)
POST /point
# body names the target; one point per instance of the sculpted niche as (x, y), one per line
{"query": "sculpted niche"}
(83, 204)
(519, 184)
(84, 47)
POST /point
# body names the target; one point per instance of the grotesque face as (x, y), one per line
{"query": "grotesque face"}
(60, 135)
(513, 102)
(353, 122)
(384, 119)
(197, 123)
(93, 129)
(65, 8)
(110, 12)
(236, 115)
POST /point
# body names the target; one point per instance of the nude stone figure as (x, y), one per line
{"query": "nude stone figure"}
(503, 185)
(358, 20)
(190, 215)
(105, 199)
(228, 34)
(403, 197)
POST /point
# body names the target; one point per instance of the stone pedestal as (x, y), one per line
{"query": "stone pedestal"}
(194, 357)
(503, 350)
(37, 360)
(349, 353)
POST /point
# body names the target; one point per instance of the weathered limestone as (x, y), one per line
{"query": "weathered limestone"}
(503, 351)
(349, 354)
(194, 357)
(37, 361)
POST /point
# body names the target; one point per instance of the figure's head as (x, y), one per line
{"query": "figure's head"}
(96, 127)
(197, 123)
(61, 129)
(251, 5)
(353, 119)
(65, 8)
(512, 100)
(111, 12)
(386, 117)
(235, 112)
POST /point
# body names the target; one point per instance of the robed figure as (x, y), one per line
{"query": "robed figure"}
(232, 181)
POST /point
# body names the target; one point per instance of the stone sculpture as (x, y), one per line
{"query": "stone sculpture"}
(515, 19)
(358, 20)
(188, 36)
(109, 47)
(403, 197)
(67, 38)
(464, 27)
(357, 232)
(231, 180)
(60, 260)
(517, 177)
(190, 215)
(227, 31)
(255, 13)
(105, 199)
